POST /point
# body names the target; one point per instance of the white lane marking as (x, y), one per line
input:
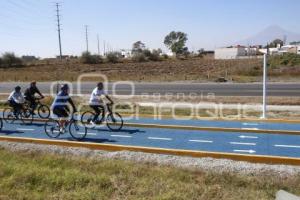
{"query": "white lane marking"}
(201, 141)
(287, 146)
(242, 143)
(157, 138)
(248, 137)
(245, 151)
(25, 129)
(121, 136)
(250, 124)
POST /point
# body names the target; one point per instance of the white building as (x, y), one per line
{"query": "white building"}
(230, 52)
(126, 53)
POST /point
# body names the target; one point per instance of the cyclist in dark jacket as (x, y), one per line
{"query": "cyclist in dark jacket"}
(30, 95)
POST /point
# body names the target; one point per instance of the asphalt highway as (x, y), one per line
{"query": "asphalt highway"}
(218, 89)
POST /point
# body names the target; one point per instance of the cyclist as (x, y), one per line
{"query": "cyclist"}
(60, 106)
(96, 103)
(16, 100)
(30, 95)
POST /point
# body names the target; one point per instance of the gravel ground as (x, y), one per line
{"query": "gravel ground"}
(207, 164)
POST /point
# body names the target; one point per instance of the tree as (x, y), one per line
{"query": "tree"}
(10, 59)
(175, 41)
(138, 47)
(275, 43)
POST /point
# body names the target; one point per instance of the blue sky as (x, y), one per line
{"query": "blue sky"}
(28, 27)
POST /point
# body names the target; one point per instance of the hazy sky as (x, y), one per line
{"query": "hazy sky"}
(28, 27)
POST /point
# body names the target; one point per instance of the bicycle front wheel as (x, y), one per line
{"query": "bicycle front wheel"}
(52, 128)
(114, 121)
(77, 130)
(43, 111)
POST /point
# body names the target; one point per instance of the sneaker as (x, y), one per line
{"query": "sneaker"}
(93, 123)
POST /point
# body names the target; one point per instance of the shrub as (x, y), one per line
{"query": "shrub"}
(10, 59)
(88, 58)
(139, 57)
(288, 59)
(154, 56)
(113, 57)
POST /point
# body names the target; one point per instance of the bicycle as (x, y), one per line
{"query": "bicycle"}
(24, 115)
(42, 109)
(1, 124)
(114, 120)
(53, 128)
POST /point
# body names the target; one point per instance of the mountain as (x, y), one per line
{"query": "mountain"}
(269, 34)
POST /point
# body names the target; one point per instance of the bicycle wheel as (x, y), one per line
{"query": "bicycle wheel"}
(52, 128)
(87, 117)
(26, 117)
(1, 124)
(114, 121)
(77, 130)
(8, 115)
(43, 111)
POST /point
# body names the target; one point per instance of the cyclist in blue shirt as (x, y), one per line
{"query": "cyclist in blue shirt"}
(60, 105)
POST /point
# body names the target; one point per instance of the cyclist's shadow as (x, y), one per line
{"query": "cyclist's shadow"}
(128, 131)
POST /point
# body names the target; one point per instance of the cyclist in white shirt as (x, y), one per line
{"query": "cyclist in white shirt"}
(96, 102)
(16, 100)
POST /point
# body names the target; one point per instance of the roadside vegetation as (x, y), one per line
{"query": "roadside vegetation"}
(39, 176)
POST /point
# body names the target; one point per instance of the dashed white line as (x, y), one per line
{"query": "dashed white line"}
(25, 129)
(287, 146)
(250, 124)
(121, 136)
(245, 151)
(247, 137)
(242, 143)
(157, 138)
(201, 141)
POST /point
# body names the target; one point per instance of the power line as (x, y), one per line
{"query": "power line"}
(58, 29)
(86, 38)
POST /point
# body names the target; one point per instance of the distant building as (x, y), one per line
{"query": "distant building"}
(63, 57)
(230, 52)
(126, 53)
(29, 58)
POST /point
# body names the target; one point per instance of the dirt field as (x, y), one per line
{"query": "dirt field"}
(192, 69)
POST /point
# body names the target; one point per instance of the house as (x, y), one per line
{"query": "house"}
(126, 53)
(230, 52)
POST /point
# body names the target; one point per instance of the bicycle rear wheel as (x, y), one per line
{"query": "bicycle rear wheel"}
(26, 117)
(114, 122)
(77, 130)
(8, 115)
(43, 111)
(52, 128)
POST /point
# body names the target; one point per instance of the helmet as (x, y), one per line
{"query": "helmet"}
(64, 87)
(18, 88)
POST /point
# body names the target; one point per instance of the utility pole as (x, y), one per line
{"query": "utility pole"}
(58, 29)
(86, 38)
(98, 45)
(104, 48)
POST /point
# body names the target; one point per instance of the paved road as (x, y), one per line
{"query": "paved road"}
(221, 89)
(242, 143)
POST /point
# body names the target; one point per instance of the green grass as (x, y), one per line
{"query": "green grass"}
(39, 176)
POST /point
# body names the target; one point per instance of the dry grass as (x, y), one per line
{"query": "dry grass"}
(193, 69)
(39, 176)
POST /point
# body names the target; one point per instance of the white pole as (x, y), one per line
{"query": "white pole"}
(264, 115)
